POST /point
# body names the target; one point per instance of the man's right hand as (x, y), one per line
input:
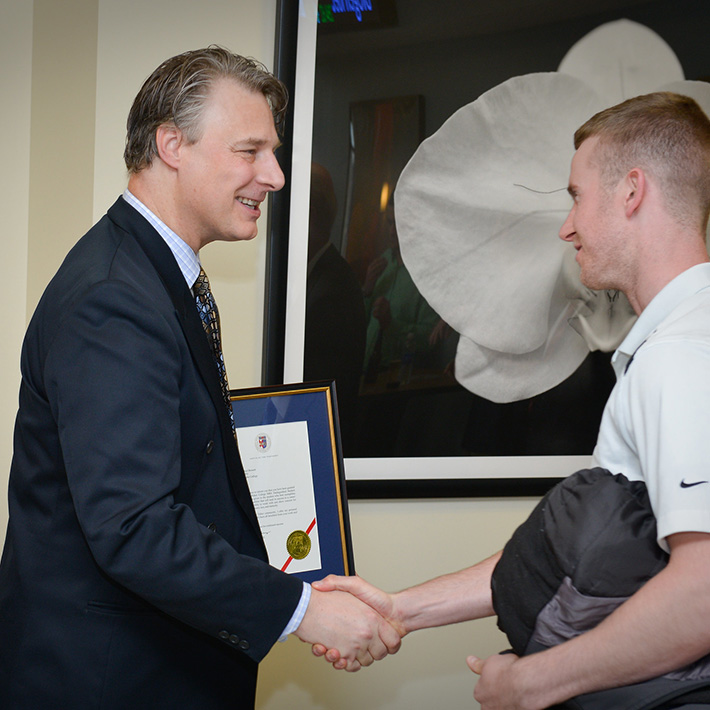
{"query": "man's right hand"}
(381, 602)
(338, 620)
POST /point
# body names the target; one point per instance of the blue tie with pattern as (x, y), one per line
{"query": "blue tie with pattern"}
(209, 314)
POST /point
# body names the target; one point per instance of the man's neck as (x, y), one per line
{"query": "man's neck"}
(152, 192)
(666, 268)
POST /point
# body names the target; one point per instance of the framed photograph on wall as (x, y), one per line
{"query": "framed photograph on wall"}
(345, 302)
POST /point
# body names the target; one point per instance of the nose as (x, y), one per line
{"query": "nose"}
(271, 175)
(567, 230)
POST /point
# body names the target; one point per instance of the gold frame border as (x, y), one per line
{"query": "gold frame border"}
(303, 388)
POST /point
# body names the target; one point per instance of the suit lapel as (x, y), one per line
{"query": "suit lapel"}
(164, 263)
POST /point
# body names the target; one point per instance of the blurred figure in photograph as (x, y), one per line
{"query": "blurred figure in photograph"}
(335, 309)
(400, 321)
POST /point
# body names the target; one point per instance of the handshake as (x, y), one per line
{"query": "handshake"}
(351, 623)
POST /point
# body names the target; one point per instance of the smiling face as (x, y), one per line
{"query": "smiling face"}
(591, 226)
(224, 176)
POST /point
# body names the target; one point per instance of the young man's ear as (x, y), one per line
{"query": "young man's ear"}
(168, 140)
(635, 190)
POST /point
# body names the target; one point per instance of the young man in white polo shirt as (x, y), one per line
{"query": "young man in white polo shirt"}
(640, 181)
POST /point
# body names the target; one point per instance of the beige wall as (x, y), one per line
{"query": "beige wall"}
(62, 134)
(15, 87)
(70, 70)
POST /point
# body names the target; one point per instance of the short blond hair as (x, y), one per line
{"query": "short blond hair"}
(665, 134)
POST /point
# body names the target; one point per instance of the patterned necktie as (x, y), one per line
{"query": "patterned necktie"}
(207, 308)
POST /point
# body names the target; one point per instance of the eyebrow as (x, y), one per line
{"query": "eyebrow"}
(255, 142)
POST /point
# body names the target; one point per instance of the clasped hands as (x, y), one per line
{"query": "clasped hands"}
(350, 622)
(360, 624)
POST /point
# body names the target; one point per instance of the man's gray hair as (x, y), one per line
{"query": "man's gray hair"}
(176, 91)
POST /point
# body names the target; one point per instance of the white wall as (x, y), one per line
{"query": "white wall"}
(71, 70)
(15, 86)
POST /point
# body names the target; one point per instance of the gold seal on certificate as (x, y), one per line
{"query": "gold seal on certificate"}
(298, 544)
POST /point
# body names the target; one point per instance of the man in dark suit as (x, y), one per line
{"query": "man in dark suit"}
(134, 574)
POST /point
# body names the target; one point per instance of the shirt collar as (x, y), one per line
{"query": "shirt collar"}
(187, 260)
(663, 303)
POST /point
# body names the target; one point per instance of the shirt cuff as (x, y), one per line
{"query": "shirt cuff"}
(300, 612)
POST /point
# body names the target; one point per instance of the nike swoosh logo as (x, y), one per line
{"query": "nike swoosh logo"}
(683, 484)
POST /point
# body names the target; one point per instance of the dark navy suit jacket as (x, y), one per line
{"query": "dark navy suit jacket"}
(134, 573)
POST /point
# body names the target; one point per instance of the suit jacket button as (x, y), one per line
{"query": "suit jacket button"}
(224, 635)
(234, 639)
(244, 645)
(210, 446)
(212, 527)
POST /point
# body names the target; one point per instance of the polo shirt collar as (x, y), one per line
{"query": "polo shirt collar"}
(661, 306)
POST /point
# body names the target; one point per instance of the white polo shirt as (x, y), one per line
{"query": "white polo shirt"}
(656, 424)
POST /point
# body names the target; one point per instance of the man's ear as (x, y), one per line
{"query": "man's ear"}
(634, 191)
(168, 140)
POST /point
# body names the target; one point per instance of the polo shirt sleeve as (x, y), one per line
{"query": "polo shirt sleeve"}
(669, 421)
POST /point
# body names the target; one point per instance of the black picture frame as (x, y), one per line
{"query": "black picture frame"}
(277, 231)
(415, 476)
(397, 478)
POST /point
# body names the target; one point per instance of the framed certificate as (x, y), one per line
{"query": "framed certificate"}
(289, 442)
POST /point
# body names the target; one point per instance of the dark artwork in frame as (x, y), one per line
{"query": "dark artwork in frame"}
(378, 92)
